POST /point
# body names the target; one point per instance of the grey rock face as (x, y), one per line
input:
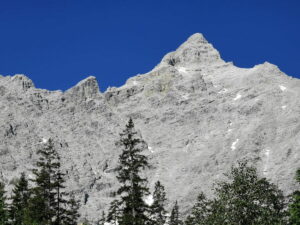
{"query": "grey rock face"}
(197, 113)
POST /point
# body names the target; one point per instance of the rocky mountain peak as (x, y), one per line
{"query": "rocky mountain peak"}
(196, 51)
(85, 89)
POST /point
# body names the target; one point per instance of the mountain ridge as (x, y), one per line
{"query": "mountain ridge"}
(197, 113)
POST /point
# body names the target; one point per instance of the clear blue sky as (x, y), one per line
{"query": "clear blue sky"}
(57, 43)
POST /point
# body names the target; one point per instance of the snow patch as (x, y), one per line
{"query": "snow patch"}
(283, 107)
(224, 90)
(150, 149)
(266, 160)
(182, 69)
(233, 145)
(149, 200)
(238, 96)
(229, 130)
(44, 140)
(135, 82)
(283, 88)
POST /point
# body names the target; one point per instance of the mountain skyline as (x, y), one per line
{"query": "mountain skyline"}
(59, 43)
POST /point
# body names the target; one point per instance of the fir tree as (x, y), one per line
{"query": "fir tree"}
(157, 209)
(114, 212)
(294, 207)
(3, 206)
(102, 219)
(133, 187)
(200, 212)
(43, 201)
(49, 204)
(20, 199)
(175, 218)
(71, 214)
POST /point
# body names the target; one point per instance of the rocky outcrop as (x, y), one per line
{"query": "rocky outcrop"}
(197, 113)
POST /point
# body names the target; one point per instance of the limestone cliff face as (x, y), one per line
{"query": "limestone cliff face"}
(197, 113)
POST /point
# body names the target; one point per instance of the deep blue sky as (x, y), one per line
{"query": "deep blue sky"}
(57, 43)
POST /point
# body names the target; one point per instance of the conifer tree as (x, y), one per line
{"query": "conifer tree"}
(49, 204)
(133, 187)
(102, 219)
(43, 201)
(114, 212)
(71, 214)
(157, 209)
(200, 211)
(20, 201)
(175, 218)
(294, 207)
(3, 206)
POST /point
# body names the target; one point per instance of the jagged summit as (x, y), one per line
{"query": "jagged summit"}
(198, 115)
(195, 51)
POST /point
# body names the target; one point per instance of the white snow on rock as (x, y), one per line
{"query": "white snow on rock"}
(283, 88)
(44, 140)
(150, 149)
(238, 96)
(233, 145)
(182, 69)
(283, 107)
(149, 200)
(224, 90)
(266, 160)
(135, 83)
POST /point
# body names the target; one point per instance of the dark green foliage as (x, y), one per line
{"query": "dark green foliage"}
(3, 206)
(102, 219)
(245, 199)
(294, 207)
(49, 204)
(175, 218)
(20, 200)
(71, 215)
(200, 212)
(44, 196)
(133, 187)
(157, 209)
(114, 212)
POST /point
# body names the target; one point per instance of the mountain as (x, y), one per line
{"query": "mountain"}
(198, 114)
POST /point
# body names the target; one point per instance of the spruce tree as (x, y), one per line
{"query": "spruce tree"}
(114, 212)
(20, 200)
(49, 204)
(102, 220)
(175, 218)
(3, 206)
(200, 212)
(71, 214)
(133, 187)
(157, 209)
(43, 201)
(294, 207)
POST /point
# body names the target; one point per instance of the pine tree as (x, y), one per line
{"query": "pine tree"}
(133, 187)
(60, 201)
(102, 219)
(114, 212)
(157, 209)
(49, 204)
(294, 207)
(20, 201)
(175, 218)
(200, 211)
(3, 206)
(71, 215)
(43, 200)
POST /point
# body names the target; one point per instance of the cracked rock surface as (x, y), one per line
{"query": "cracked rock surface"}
(197, 113)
